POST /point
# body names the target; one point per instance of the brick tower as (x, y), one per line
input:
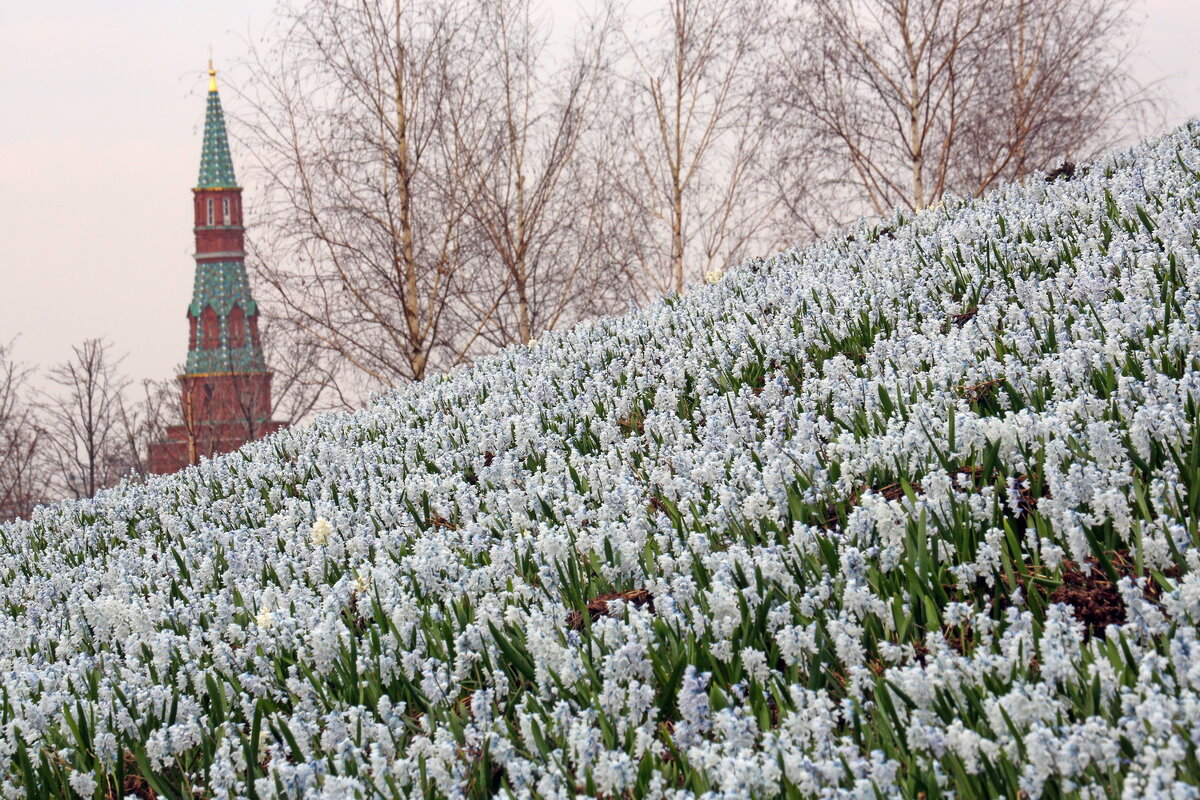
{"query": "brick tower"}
(225, 391)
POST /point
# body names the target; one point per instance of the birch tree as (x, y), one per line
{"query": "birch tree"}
(21, 479)
(691, 128)
(83, 419)
(904, 100)
(537, 203)
(366, 242)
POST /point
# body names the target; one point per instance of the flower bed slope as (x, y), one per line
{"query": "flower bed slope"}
(911, 512)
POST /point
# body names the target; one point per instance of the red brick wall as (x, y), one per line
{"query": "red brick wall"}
(173, 453)
(219, 240)
(200, 201)
(228, 397)
(225, 234)
(226, 411)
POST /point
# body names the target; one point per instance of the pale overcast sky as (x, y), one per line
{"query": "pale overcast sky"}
(100, 144)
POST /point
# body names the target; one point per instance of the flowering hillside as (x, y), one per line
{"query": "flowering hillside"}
(912, 512)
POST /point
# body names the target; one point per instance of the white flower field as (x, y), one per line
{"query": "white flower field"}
(913, 512)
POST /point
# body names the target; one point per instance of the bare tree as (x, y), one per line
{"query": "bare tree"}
(904, 100)
(178, 422)
(21, 481)
(305, 373)
(85, 444)
(1062, 76)
(140, 423)
(535, 204)
(367, 243)
(692, 128)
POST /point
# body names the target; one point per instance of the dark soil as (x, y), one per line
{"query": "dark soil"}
(1094, 597)
(1066, 171)
(598, 606)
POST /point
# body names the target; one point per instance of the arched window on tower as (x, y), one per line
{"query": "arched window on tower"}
(225, 211)
(210, 329)
(237, 327)
(210, 211)
(254, 332)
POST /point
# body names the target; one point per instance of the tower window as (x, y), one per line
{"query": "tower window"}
(225, 209)
(237, 327)
(210, 211)
(209, 328)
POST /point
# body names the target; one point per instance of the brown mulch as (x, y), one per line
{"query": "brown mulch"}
(1066, 170)
(598, 606)
(894, 491)
(632, 425)
(1093, 597)
(471, 476)
(958, 320)
(134, 784)
(1027, 503)
(356, 620)
(137, 787)
(666, 730)
(832, 517)
(978, 392)
(960, 638)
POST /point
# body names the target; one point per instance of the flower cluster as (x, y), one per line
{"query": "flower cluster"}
(910, 512)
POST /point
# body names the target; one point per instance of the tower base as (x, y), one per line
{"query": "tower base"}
(221, 412)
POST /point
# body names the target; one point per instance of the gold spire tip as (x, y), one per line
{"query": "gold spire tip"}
(212, 77)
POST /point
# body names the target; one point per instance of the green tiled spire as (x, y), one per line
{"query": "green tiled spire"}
(223, 313)
(222, 285)
(216, 166)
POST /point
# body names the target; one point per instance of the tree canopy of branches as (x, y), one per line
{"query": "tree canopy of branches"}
(83, 415)
(440, 179)
(88, 427)
(20, 440)
(905, 100)
(418, 166)
(364, 176)
(304, 374)
(691, 129)
(537, 205)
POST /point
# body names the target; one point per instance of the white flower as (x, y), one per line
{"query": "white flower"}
(751, 470)
(83, 783)
(714, 276)
(321, 531)
(693, 706)
(755, 663)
